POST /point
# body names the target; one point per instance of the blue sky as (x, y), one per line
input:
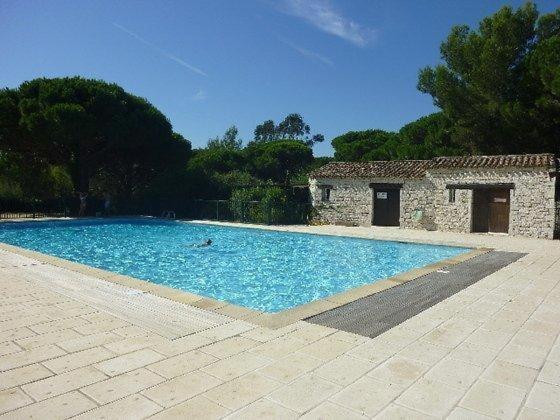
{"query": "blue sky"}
(207, 64)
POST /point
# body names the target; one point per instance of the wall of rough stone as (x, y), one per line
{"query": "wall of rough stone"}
(350, 201)
(425, 203)
(532, 208)
(417, 207)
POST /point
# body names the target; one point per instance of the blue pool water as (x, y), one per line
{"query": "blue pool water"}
(263, 270)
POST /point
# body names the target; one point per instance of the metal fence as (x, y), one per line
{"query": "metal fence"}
(248, 212)
(219, 210)
(16, 209)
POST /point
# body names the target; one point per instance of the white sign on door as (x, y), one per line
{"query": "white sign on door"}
(381, 195)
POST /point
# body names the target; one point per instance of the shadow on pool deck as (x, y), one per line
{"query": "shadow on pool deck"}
(373, 315)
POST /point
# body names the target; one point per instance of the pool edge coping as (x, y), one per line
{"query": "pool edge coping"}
(269, 320)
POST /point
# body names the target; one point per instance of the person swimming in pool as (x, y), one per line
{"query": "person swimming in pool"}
(206, 243)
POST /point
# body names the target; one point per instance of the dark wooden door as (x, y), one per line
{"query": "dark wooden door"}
(491, 210)
(386, 207)
(480, 211)
(498, 211)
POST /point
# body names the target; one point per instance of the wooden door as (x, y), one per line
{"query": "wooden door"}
(386, 207)
(480, 211)
(498, 211)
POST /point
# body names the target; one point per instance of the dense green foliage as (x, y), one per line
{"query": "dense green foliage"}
(293, 127)
(500, 85)
(94, 131)
(270, 205)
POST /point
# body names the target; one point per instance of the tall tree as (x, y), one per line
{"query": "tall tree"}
(91, 127)
(228, 141)
(277, 160)
(366, 145)
(293, 127)
(500, 85)
(265, 132)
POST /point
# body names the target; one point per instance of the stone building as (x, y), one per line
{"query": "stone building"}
(515, 194)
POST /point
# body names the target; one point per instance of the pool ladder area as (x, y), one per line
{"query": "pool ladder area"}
(168, 214)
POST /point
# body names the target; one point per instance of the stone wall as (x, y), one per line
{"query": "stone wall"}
(425, 203)
(350, 201)
(532, 208)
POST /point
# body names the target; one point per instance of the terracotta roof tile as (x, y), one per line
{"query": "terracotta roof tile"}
(417, 168)
(377, 169)
(496, 161)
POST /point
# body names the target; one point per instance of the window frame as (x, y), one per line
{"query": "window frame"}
(452, 195)
(326, 194)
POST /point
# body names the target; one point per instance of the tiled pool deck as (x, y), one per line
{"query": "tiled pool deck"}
(490, 350)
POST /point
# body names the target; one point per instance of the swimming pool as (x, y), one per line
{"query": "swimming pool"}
(260, 269)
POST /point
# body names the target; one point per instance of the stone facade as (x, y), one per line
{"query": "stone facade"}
(425, 203)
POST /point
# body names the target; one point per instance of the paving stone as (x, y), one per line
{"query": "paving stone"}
(224, 331)
(304, 393)
(398, 370)
(474, 354)
(229, 347)
(373, 351)
(494, 400)
(196, 408)
(460, 413)
(550, 373)
(263, 334)
(264, 409)
(128, 362)
(13, 398)
(510, 374)
(524, 356)
(16, 334)
(279, 347)
(242, 391)
(8, 347)
(23, 375)
(397, 412)
(28, 357)
(545, 397)
(79, 359)
(367, 396)
(430, 397)
(181, 345)
(456, 373)
(133, 406)
(237, 365)
(327, 348)
(344, 370)
(121, 386)
(528, 413)
(48, 338)
(492, 339)
(134, 343)
(59, 324)
(181, 364)
(424, 352)
(88, 341)
(290, 367)
(181, 388)
(63, 383)
(60, 407)
(312, 332)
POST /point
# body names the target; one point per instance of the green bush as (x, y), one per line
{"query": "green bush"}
(268, 205)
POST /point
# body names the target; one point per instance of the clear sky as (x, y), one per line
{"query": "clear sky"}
(207, 64)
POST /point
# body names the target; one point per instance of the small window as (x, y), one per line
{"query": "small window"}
(452, 195)
(325, 194)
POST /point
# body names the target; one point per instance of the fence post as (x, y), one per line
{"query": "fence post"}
(217, 210)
